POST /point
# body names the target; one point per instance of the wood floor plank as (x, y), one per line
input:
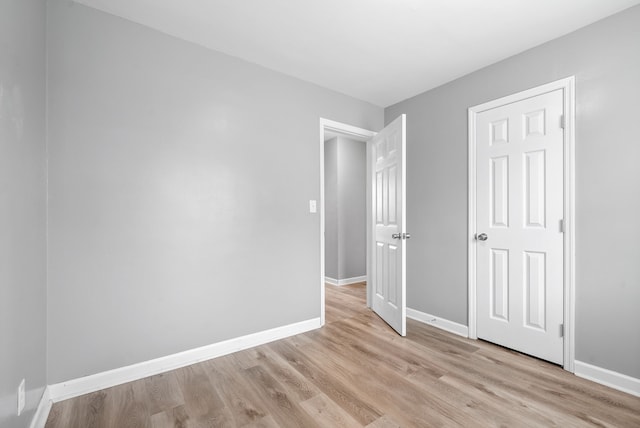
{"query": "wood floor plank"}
(163, 392)
(384, 422)
(131, 401)
(327, 413)
(266, 422)
(176, 417)
(343, 394)
(391, 394)
(401, 359)
(284, 411)
(240, 399)
(378, 344)
(203, 403)
(59, 415)
(356, 371)
(297, 386)
(89, 410)
(164, 420)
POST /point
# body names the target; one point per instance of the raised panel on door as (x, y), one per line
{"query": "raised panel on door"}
(379, 189)
(499, 130)
(392, 195)
(379, 277)
(534, 123)
(499, 284)
(499, 191)
(535, 282)
(535, 189)
(393, 254)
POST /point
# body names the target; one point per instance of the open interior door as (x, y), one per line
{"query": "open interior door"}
(388, 254)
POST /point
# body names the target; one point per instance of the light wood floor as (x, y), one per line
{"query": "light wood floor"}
(357, 372)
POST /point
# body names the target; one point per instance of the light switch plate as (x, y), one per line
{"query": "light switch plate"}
(313, 207)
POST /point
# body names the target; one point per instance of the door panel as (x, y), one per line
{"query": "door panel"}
(534, 196)
(520, 200)
(535, 286)
(500, 284)
(500, 191)
(389, 300)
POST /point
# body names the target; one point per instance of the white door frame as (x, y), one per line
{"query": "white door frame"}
(568, 86)
(360, 134)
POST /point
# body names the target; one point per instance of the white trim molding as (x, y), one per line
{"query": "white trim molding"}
(329, 280)
(76, 387)
(441, 323)
(609, 378)
(39, 419)
(567, 85)
(346, 281)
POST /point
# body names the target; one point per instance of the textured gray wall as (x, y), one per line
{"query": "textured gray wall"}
(331, 248)
(352, 227)
(605, 58)
(179, 181)
(22, 207)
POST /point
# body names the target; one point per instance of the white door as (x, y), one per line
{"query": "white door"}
(389, 202)
(519, 225)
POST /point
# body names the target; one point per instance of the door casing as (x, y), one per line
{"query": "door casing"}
(359, 134)
(568, 87)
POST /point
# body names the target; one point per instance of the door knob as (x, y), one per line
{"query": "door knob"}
(482, 237)
(401, 236)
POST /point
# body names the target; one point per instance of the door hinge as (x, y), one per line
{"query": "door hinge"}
(561, 330)
(562, 121)
(562, 225)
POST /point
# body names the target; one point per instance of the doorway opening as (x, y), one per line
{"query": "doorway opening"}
(354, 143)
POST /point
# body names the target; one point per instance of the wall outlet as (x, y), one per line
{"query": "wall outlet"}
(21, 397)
(313, 207)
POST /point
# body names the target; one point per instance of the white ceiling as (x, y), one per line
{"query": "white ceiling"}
(381, 51)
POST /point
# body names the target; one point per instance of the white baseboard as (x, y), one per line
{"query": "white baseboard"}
(612, 379)
(42, 412)
(441, 323)
(84, 385)
(346, 281)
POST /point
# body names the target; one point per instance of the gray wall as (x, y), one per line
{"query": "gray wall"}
(345, 213)
(22, 206)
(331, 247)
(352, 223)
(179, 181)
(605, 58)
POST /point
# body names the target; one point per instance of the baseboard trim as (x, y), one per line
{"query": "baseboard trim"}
(346, 281)
(39, 419)
(441, 323)
(609, 378)
(84, 385)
